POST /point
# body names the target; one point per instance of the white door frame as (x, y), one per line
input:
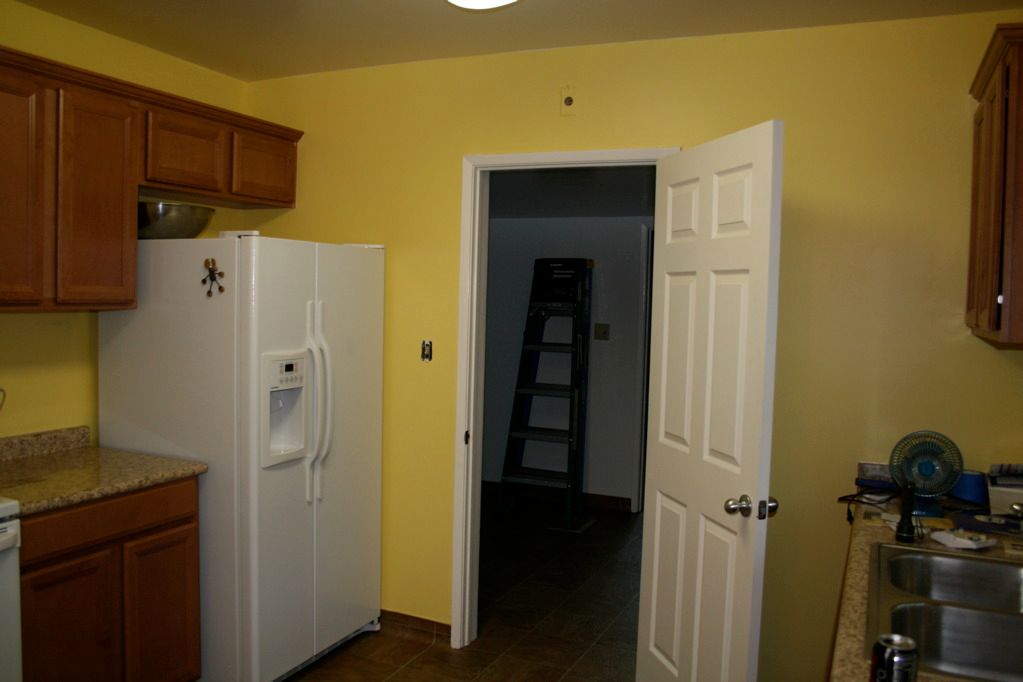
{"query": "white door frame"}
(471, 345)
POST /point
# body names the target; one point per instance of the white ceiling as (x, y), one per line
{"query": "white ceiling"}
(257, 39)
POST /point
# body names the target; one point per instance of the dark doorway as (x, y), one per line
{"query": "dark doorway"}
(555, 601)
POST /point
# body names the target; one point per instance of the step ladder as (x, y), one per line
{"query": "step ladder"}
(560, 295)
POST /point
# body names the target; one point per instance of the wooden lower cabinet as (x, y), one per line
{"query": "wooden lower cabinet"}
(73, 629)
(110, 590)
(161, 605)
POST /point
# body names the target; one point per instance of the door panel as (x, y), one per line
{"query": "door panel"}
(281, 530)
(715, 573)
(725, 362)
(186, 150)
(25, 224)
(350, 285)
(71, 619)
(263, 166)
(714, 314)
(161, 605)
(189, 423)
(666, 599)
(97, 216)
(678, 349)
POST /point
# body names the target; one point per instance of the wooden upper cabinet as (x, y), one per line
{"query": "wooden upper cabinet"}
(98, 172)
(263, 167)
(26, 141)
(986, 224)
(186, 150)
(75, 149)
(219, 160)
(994, 298)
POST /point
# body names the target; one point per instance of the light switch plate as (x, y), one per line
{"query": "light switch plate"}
(602, 331)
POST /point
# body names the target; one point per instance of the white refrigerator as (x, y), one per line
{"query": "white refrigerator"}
(272, 374)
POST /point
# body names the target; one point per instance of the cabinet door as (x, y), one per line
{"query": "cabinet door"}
(161, 605)
(26, 139)
(98, 173)
(71, 619)
(987, 219)
(263, 167)
(186, 150)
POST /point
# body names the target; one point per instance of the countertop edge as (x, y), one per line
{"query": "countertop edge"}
(45, 482)
(63, 501)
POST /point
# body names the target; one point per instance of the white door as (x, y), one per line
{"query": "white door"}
(350, 286)
(714, 314)
(275, 508)
(179, 404)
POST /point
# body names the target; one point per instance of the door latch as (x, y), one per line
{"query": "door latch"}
(766, 508)
(743, 505)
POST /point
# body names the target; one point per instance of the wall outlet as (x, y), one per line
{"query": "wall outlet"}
(602, 331)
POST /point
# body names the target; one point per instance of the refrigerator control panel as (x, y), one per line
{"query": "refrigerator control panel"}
(288, 374)
(283, 425)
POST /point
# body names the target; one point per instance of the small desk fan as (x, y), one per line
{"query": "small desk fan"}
(926, 461)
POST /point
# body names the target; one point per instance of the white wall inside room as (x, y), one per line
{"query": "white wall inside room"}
(615, 419)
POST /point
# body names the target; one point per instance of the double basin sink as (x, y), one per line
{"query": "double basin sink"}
(965, 612)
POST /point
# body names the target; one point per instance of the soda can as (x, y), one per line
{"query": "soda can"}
(893, 659)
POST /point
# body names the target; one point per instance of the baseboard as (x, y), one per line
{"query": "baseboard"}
(606, 502)
(441, 631)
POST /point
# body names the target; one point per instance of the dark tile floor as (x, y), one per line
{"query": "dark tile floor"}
(553, 606)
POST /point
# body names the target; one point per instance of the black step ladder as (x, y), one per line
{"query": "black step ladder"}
(560, 290)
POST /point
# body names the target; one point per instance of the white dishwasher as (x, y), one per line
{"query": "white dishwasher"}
(10, 591)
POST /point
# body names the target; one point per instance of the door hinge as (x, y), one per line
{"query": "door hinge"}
(466, 437)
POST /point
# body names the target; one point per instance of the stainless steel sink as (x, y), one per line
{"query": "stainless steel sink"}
(965, 612)
(963, 580)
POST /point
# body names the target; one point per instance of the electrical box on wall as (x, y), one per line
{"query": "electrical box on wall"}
(568, 101)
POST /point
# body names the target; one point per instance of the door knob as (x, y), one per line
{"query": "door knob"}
(766, 508)
(743, 505)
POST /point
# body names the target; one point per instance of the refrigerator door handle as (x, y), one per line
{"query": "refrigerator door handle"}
(316, 429)
(328, 413)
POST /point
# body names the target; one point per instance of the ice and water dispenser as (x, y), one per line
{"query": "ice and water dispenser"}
(284, 398)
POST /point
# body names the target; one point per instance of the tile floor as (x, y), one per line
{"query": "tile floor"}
(553, 606)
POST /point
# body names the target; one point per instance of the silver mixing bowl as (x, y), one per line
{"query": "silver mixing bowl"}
(168, 220)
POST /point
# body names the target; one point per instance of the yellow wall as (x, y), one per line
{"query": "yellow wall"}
(871, 343)
(48, 362)
(875, 218)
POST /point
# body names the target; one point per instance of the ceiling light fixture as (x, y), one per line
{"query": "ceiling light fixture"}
(481, 4)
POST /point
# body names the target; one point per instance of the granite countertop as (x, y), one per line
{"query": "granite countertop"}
(849, 662)
(55, 469)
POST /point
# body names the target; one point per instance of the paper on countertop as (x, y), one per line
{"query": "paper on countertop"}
(963, 539)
